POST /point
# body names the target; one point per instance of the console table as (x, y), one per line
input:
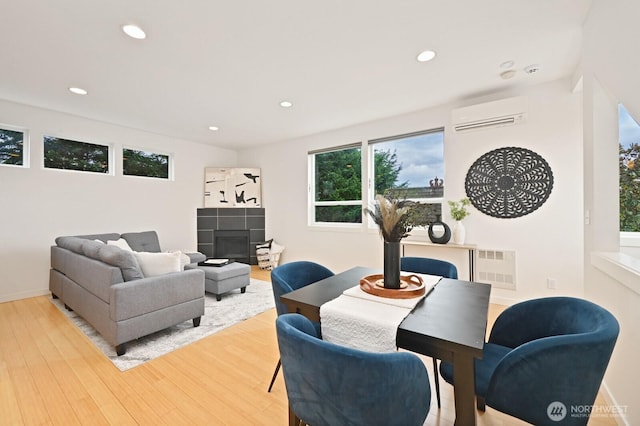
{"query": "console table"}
(469, 248)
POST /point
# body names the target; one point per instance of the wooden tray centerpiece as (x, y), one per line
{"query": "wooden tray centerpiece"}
(410, 286)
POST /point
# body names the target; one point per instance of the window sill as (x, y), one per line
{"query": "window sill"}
(629, 239)
(336, 227)
(619, 266)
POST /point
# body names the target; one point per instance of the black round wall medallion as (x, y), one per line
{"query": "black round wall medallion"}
(509, 182)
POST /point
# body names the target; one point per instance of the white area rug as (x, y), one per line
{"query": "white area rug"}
(233, 308)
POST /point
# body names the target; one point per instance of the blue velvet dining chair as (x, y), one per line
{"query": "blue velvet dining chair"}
(289, 277)
(543, 357)
(328, 384)
(442, 268)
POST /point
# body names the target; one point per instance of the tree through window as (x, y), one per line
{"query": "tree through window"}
(408, 166)
(12, 147)
(74, 155)
(143, 163)
(411, 166)
(629, 165)
(337, 187)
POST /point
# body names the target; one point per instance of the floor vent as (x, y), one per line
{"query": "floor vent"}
(497, 267)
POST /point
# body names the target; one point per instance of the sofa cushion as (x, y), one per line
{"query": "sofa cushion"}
(153, 264)
(90, 248)
(102, 237)
(143, 241)
(70, 243)
(123, 259)
(111, 255)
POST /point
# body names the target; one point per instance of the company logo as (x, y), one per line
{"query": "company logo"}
(557, 411)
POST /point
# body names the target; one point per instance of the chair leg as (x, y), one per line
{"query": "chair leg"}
(480, 403)
(436, 379)
(275, 374)
(294, 420)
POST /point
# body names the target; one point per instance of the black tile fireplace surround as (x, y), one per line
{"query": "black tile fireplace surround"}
(210, 220)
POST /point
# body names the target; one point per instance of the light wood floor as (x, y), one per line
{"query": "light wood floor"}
(50, 373)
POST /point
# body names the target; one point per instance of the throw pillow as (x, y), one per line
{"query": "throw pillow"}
(264, 245)
(153, 264)
(122, 243)
(184, 259)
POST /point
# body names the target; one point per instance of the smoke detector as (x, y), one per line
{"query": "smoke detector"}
(532, 69)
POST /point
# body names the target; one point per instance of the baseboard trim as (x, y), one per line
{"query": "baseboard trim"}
(23, 295)
(620, 418)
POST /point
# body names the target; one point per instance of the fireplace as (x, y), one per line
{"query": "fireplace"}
(214, 220)
(232, 244)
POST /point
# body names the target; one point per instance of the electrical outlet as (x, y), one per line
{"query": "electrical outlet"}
(551, 283)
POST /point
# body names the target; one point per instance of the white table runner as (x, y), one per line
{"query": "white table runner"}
(363, 321)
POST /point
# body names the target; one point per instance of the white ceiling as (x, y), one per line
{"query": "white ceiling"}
(230, 63)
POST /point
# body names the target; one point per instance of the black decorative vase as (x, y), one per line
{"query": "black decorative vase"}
(392, 265)
(439, 232)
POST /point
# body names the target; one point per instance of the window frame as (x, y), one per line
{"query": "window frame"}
(312, 203)
(367, 183)
(170, 163)
(626, 238)
(26, 145)
(110, 156)
(371, 162)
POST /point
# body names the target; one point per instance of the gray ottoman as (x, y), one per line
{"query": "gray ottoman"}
(221, 279)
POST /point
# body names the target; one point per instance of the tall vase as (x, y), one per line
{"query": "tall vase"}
(459, 233)
(392, 264)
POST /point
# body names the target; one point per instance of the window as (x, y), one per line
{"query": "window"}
(629, 165)
(337, 185)
(144, 163)
(73, 155)
(12, 147)
(407, 166)
(410, 166)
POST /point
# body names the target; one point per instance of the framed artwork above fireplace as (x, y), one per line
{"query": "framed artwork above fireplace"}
(232, 187)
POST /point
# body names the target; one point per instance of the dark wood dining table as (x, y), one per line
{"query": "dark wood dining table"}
(449, 324)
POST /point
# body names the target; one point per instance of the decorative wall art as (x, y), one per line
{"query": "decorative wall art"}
(232, 187)
(509, 182)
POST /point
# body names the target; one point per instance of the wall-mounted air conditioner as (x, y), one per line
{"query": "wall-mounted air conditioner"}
(504, 112)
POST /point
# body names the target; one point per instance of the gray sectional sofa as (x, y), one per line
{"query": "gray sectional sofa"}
(105, 285)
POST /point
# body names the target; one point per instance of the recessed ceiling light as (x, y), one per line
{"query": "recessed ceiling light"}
(426, 56)
(506, 75)
(507, 64)
(78, 90)
(214, 128)
(134, 31)
(286, 104)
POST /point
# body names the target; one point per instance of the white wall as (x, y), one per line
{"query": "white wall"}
(548, 242)
(611, 76)
(37, 205)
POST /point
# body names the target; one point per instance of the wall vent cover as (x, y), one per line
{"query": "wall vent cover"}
(497, 267)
